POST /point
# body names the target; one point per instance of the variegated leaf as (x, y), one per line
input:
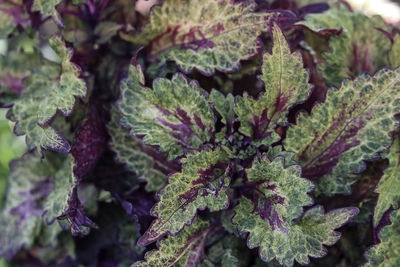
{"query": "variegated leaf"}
(351, 126)
(389, 185)
(289, 240)
(286, 83)
(280, 193)
(143, 160)
(29, 184)
(386, 253)
(48, 9)
(175, 116)
(360, 46)
(201, 184)
(185, 249)
(204, 34)
(50, 88)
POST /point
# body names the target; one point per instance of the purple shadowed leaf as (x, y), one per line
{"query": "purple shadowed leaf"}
(76, 216)
(138, 205)
(90, 141)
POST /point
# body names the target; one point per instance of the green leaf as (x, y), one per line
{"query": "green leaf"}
(63, 183)
(360, 46)
(51, 87)
(351, 126)
(130, 150)
(48, 9)
(386, 253)
(224, 105)
(185, 249)
(394, 55)
(228, 260)
(286, 84)
(175, 116)
(201, 184)
(203, 34)
(61, 95)
(389, 185)
(291, 240)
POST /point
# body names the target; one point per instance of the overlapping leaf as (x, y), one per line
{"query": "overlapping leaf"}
(201, 184)
(291, 240)
(50, 88)
(130, 150)
(204, 34)
(353, 125)
(28, 187)
(282, 191)
(389, 185)
(286, 83)
(48, 9)
(360, 46)
(386, 253)
(185, 249)
(174, 116)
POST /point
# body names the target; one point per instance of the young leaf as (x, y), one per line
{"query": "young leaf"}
(353, 125)
(286, 83)
(386, 253)
(151, 166)
(291, 240)
(201, 184)
(350, 52)
(185, 249)
(389, 185)
(175, 115)
(204, 34)
(48, 8)
(224, 105)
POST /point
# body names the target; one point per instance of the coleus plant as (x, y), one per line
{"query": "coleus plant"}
(201, 133)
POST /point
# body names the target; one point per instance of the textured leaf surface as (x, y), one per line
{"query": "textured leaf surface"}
(282, 192)
(291, 240)
(61, 96)
(360, 47)
(28, 186)
(48, 8)
(224, 105)
(182, 250)
(353, 125)
(389, 185)
(201, 184)
(386, 253)
(174, 116)
(286, 83)
(204, 34)
(51, 88)
(150, 166)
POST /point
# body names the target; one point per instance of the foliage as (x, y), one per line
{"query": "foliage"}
(193, 133)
